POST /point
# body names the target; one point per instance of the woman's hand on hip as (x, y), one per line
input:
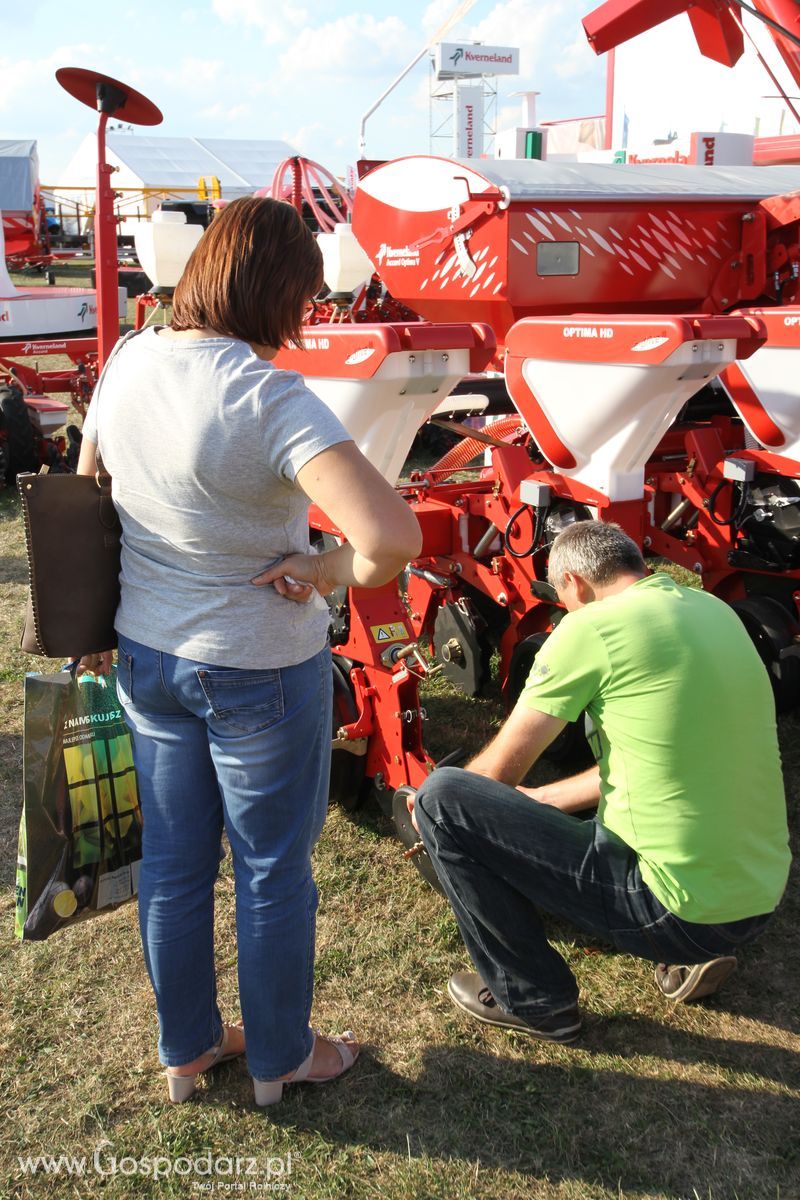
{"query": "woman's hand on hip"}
(296, 577)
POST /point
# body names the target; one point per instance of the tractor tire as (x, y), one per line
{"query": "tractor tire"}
(20, 436)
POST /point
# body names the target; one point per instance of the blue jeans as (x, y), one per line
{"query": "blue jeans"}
(248, 751)
(502, 858)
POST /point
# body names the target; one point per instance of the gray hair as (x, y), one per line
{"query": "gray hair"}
(598, 551)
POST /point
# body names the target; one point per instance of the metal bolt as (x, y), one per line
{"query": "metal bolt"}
(647, 542)
(453, 652)
(445, 358)
(698, 568)
(502, 598)
(412, 358)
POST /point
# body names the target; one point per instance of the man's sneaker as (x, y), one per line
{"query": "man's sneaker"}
(468, 992)
(693, 983)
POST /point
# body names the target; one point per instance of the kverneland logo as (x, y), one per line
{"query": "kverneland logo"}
(43, 347)
(470, 56)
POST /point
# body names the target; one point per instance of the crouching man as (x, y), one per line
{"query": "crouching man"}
(687, 856)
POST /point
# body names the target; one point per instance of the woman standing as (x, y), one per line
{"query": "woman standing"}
(223, 669)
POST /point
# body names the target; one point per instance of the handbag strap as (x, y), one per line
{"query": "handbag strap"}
(101, 474)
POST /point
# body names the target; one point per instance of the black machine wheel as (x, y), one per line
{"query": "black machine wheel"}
(571, 743)
(20, 436)
(347, 769)
(409, 837)
(773, 631)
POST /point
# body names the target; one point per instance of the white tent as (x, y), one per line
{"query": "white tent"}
(19, 179)
(148, 169)
(19, 175)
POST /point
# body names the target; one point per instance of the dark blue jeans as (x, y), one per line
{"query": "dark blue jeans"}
(502, 859)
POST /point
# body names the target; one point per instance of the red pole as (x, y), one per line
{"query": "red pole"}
(608, 144)
(105, 250)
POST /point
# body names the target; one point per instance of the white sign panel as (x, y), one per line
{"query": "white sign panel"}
(469, 122)
(467, 58)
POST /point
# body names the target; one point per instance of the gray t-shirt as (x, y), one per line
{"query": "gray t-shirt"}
(203, 441)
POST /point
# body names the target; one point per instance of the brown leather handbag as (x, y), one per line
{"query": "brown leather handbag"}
(72, 534)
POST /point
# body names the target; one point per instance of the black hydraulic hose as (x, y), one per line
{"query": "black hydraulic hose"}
(736, 518)
(712, 502)
(538, 528)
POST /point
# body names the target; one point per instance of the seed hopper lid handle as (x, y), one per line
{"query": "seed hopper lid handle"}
(104, 94)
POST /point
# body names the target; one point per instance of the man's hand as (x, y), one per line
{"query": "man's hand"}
(575, 794)
(410, 799)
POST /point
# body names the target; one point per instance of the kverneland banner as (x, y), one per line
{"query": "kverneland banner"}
(469, 121)
(468, 58)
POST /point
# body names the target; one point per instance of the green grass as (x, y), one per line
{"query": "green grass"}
(668, 1103)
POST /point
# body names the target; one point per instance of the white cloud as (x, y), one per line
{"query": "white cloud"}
(193, 73)
(305, 137)
(436, 14)
(356, 45)
(222, 113)
(22, 79)
(276, 22)
(575, 59)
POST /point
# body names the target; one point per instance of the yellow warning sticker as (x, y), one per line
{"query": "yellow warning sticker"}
(394, 632)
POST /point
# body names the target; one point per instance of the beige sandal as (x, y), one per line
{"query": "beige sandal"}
(181, 1087)
(270, 1091)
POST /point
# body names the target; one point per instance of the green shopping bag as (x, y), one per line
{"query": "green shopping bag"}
(80, 835)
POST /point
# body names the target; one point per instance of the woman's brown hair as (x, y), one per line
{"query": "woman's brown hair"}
(251, 275)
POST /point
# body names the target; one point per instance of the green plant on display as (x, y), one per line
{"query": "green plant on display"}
(655, 1101)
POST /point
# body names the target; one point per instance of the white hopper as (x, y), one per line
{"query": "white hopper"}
(163, 246)
(765, 390)
(598, 394)
(384, 381)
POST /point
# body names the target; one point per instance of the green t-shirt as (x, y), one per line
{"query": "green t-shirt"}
(690, 773)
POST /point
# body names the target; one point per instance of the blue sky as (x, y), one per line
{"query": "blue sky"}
(302, 70)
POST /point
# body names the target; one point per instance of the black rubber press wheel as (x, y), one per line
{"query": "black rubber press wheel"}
(347, 769)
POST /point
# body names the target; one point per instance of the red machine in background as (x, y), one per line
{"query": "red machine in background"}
(637, 323)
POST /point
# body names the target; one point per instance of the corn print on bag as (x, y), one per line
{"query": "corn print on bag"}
(80, 834)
